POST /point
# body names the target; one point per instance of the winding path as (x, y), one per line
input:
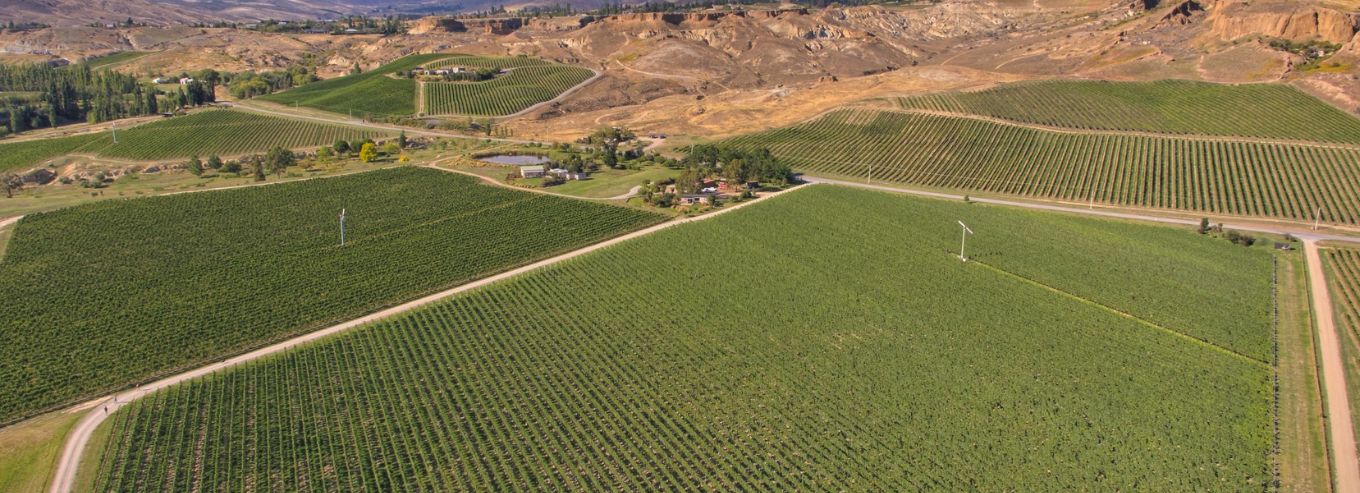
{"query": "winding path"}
(79, 437)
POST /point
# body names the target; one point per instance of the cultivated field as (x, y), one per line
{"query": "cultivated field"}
(489, 62)
(116, 58)
(503, 95)
(826, 340)
(221, 132)
(1182, 107)
(19, 155)
(100, 296)
(1222, 177)
(372, 93)
(1344, 272)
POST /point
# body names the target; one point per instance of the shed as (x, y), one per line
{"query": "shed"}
(532, 171)
(1279, 245)
(696, 198)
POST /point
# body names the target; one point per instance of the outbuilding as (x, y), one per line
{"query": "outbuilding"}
(696, 198)
(1279, 245)
(532, 171)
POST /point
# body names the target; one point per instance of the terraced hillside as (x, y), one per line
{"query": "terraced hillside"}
(103, 295)
(221, 132)
(369, 94)
(720, 369)
(1202, 175)
(1171, 106)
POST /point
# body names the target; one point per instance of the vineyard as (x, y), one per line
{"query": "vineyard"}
(213, 132)
(507, 94)
(224, 132)
(1220, 177)
(369, 94)
(719, 369)
(489, 62)
(20, 155)
(1344, 273)
(1181, 107)
(100, 296)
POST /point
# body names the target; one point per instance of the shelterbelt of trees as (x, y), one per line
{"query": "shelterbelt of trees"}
(45, 96)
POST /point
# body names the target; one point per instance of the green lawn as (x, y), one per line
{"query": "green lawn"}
(824, 340)
(613, 183)
(116, 59)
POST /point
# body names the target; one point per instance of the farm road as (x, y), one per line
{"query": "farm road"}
(64, 482)
(1341, 429)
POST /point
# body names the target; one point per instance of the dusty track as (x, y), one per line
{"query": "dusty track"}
(1340, 429)
(631, 192)
(64, 480)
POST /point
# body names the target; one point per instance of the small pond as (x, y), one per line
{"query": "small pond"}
(516, 160)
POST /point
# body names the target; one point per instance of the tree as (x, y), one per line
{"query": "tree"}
(611, 156)
(214, 162)
(368, 153)
(357, 145)
(280, 159)
(11, 182)
(341, 147)
(194, 166)
(323, 155)
(391, 149)
(356, 70)
(1203, 226)
(257, 165)
(401, 139)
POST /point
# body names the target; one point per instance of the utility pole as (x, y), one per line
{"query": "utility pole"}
(871, 173)
(1317, 219)
(964, 243)
(342, 227)
(114, 126)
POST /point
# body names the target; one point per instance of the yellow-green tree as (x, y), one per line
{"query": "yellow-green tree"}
(368, 153)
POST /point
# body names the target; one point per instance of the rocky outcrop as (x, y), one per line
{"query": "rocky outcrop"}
(501, 26)
(1293, 21)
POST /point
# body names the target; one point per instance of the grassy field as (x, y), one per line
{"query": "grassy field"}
(28, 451)
(1182, 107)
(1219, 177)
(701, 358)
(1304, 464)
(369, 94)
(221, 132)
(504, 95)
(601, 184)
(104, 295)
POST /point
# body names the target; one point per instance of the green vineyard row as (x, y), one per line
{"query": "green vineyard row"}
(503, 95)
(212, 132)
(488, 62)
(1220, 177)
(104, 295)
(1181, 107)
(1344, 274)
(720, 369)
(16, 156)
(371, 94)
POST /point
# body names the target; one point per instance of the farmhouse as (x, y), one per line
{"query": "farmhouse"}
(531, 171)
(186, 80)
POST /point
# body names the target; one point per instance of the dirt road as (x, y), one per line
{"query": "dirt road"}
(1345, 464)
(75, 445)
